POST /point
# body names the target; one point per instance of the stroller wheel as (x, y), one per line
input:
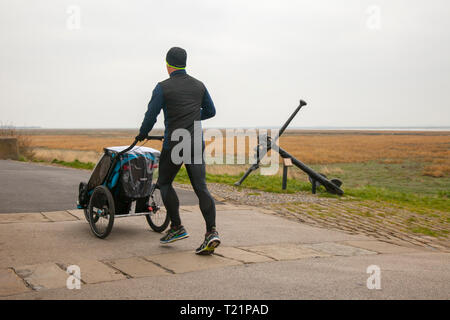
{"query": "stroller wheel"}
(101, 212)
(86, 215)
(158, 220)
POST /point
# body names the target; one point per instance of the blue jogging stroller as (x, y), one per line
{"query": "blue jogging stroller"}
(121, 185)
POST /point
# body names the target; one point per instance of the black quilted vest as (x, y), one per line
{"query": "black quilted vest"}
(183, 96)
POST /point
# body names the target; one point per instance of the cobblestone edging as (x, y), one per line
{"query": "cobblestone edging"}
(384, 222)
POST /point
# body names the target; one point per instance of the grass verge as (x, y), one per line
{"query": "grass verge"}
(72, 164)
(408, 200)
(75, 164)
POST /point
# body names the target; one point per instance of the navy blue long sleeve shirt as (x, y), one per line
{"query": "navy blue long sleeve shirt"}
(157, 104)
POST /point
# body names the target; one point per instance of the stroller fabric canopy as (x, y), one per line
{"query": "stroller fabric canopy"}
(136, 150)
(136, 166)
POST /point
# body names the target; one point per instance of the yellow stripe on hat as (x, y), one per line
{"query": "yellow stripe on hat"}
(175, 67)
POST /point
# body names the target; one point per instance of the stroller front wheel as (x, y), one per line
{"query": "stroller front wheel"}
(101, 212)
(158, 220)
(86, 215)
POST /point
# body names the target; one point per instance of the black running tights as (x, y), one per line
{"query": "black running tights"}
(196, 172)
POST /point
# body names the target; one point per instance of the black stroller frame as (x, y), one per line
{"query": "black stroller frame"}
(123, 176)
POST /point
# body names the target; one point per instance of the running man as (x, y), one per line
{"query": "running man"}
(184, 101)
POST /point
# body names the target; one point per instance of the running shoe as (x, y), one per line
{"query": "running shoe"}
(173, 235)
(211, 242)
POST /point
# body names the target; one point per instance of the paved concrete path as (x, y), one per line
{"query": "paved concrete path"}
(30, 187)
(262, 257)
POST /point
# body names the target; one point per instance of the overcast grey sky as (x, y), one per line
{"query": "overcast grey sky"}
(356, 62)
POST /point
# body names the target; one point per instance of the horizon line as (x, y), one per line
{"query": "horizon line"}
(238, 127)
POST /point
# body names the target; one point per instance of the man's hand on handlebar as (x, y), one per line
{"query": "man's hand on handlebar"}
(141, 137)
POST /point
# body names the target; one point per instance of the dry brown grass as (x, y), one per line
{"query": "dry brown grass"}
(325, 149)
(227, 169)
(310, 147)
(384, 148)
(436, 170)
(238, 169)
(66, 155)
(83, 142)
(330, 170)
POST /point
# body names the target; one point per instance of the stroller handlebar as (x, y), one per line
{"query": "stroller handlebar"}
(135, 142)
(155, 138)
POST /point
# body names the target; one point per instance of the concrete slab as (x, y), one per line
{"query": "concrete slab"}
(421, 275)
(221, 207)
(22, 217)
(34, 243)
(379, 246)
(191, 208)
(58, 216)
(181, 262)
(11, 284)
(285, 251)
(79, 213)
(338, 249)
(241, 255)
(43, 276)
(93, 271)
(138, 267)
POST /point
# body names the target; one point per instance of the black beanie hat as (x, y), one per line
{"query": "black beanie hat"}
(176, 58)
